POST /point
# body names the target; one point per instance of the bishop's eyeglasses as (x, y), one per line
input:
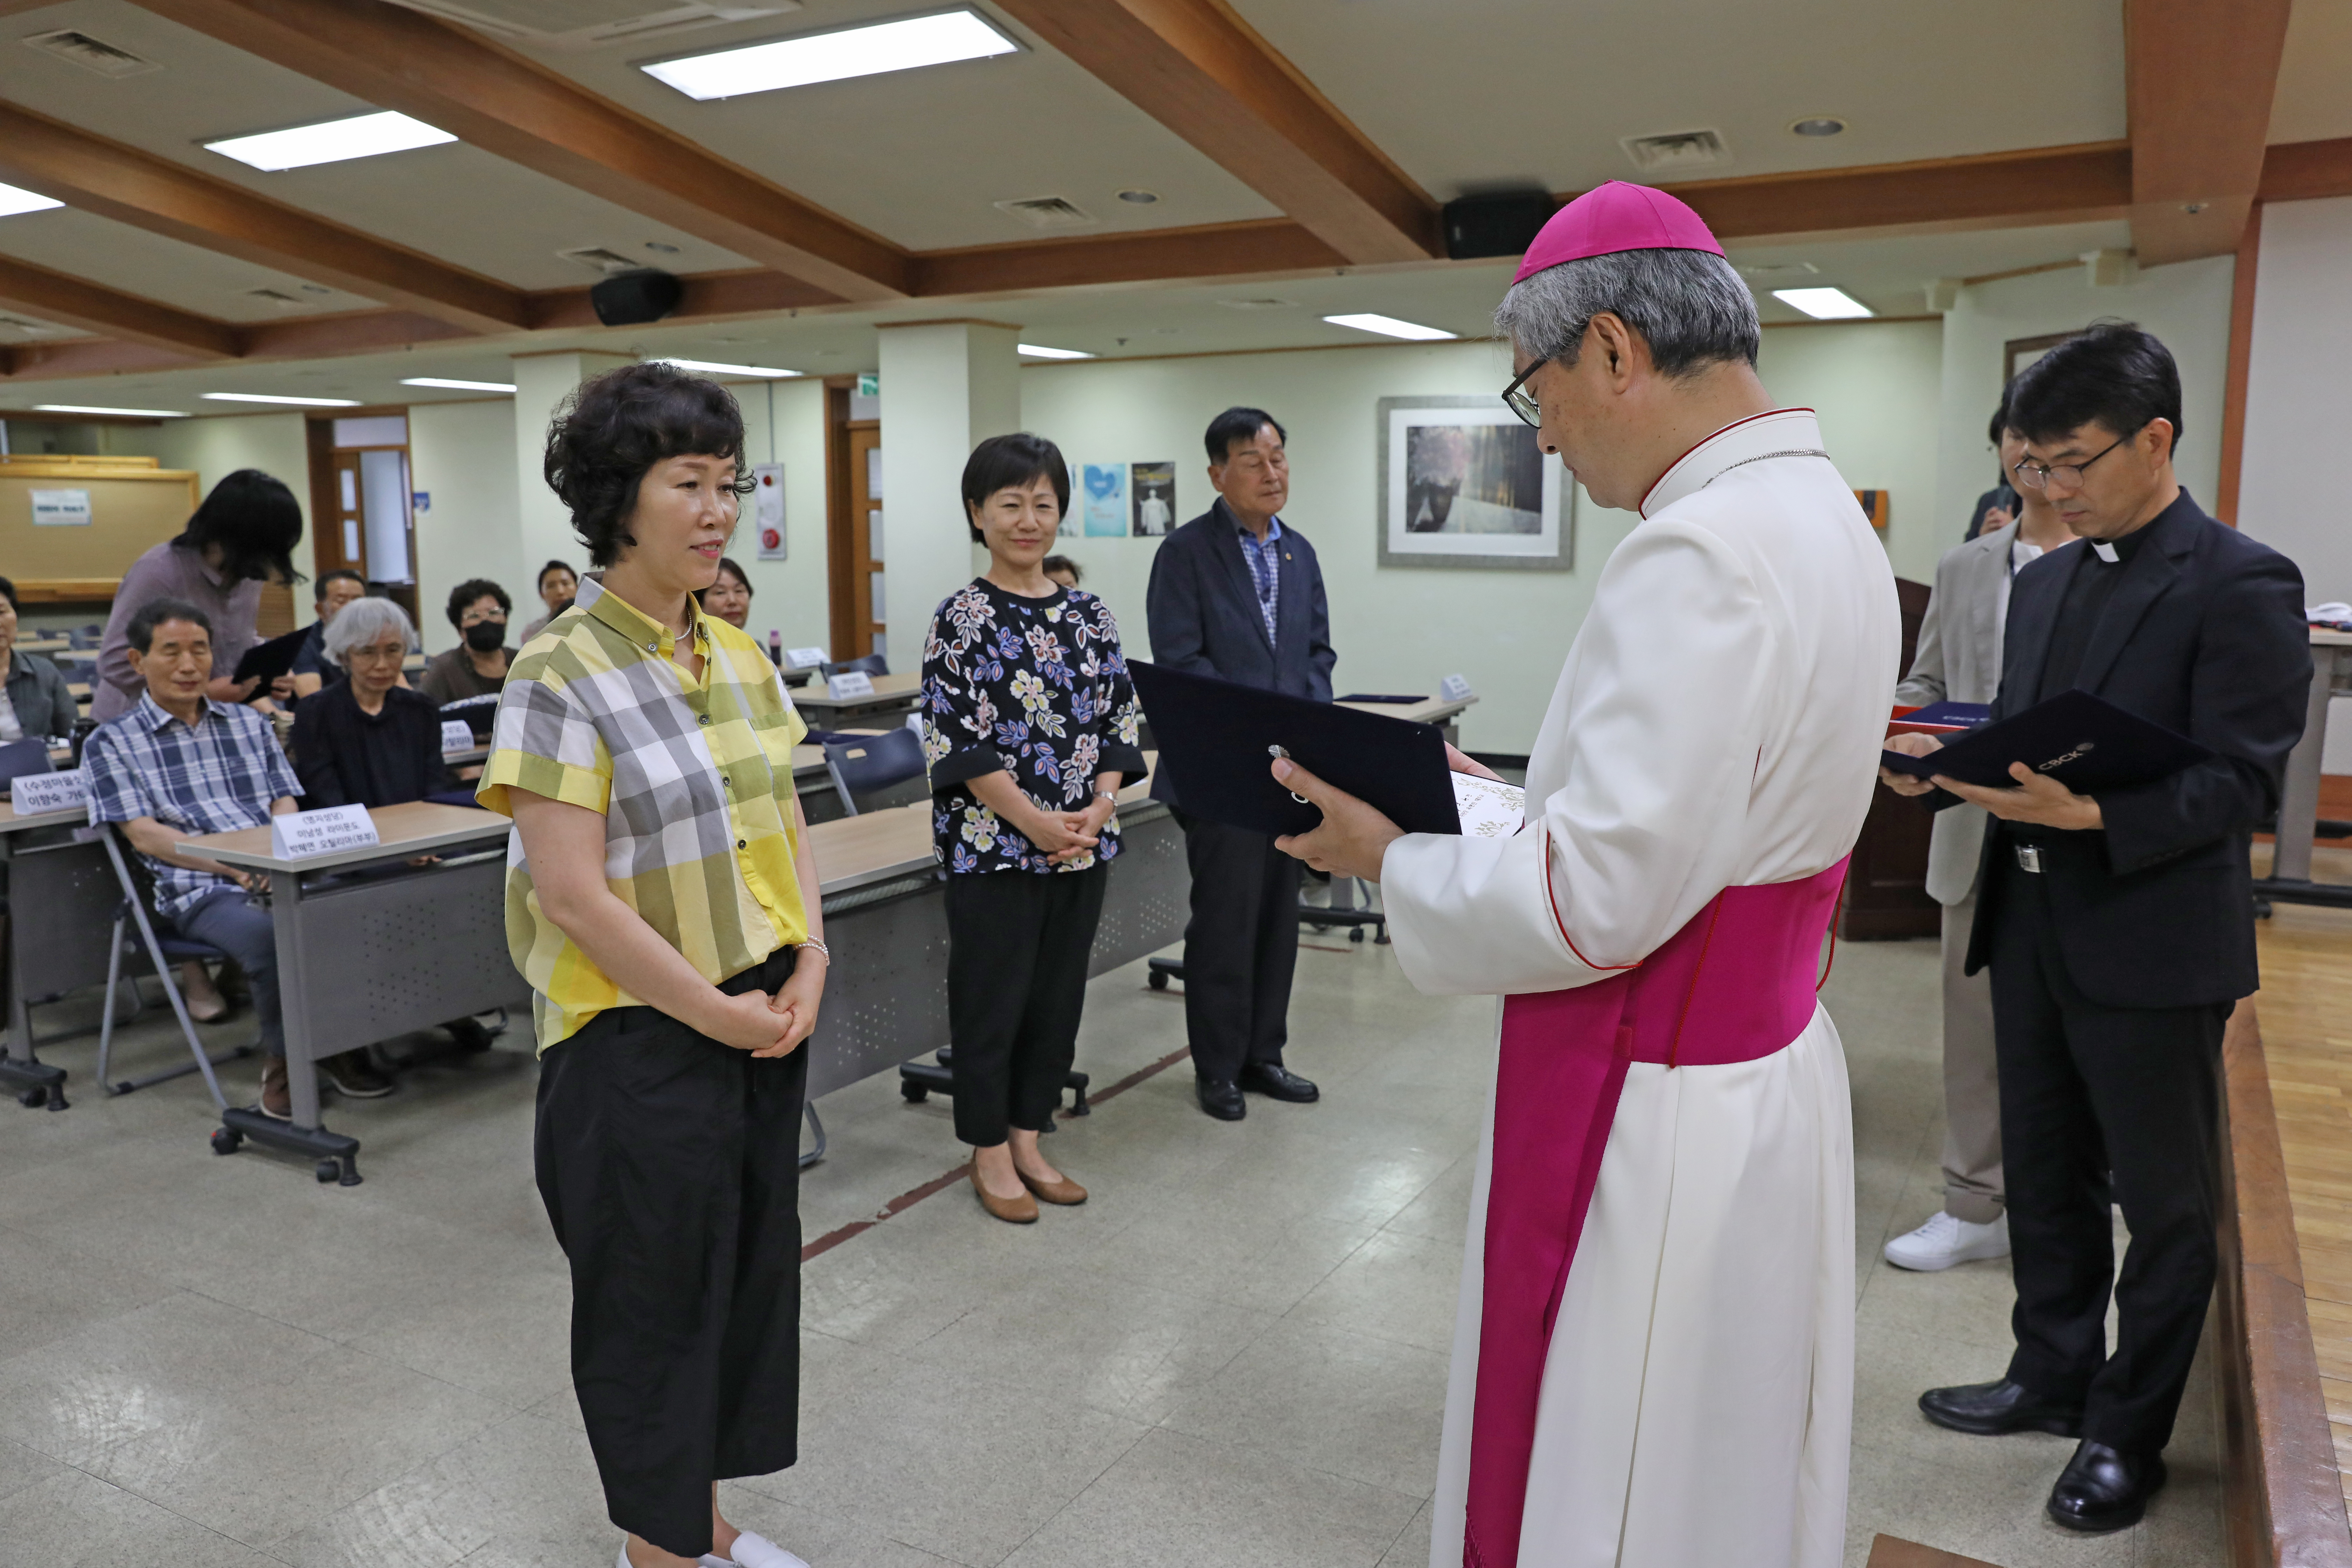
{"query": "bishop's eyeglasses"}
(1523, 404)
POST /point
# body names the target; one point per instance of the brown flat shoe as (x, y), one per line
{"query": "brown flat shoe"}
(1065, 1192)
(1022, 1210)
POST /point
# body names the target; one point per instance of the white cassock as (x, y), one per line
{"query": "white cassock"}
(1716, 727)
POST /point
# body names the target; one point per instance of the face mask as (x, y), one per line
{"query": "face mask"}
(485, 637)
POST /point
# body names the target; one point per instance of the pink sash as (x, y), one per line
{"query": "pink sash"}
(1735, 984)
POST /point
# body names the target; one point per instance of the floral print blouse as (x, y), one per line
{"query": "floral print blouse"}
(1034, 687)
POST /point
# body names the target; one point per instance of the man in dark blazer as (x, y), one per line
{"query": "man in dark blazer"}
(2119, 926)
(1236, 594)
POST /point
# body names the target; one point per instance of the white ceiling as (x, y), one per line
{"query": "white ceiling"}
(115, 256)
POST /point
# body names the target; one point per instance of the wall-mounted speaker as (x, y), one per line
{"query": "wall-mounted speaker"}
(632, 298)
(1503, 224)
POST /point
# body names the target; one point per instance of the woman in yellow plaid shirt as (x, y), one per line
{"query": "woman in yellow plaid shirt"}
(662, 902)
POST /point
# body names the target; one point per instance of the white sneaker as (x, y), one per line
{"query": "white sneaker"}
(1945, 1240)
(759, 1551)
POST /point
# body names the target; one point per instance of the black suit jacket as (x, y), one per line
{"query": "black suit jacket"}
(2204, 636)
(1202, 609)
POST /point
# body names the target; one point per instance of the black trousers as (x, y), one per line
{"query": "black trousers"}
(2088, 1089)
(1017, 949)
(1241, 947)
(670, 1167)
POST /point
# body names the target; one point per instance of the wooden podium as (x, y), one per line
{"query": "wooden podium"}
(1887, 886)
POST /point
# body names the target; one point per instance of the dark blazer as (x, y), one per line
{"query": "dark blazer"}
(1201, 611)
(2205, 636)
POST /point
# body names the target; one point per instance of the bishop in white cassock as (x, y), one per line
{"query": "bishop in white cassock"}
(1653, 1358)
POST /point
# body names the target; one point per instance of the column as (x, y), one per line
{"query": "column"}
(945, 386)
(543, 523)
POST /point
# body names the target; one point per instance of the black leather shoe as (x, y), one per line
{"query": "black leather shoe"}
(1276, 1081)
(1222, 1098)
(2103, 1489)
(1991, 1409)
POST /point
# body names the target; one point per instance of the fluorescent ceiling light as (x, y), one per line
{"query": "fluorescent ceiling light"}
(361, 136)
(446, 384)
(903, 45)
(125, 412)
(1036, 351)
(1825, 304)
(13, 201)
(295, 401)
(711, 367)
(1388, 326)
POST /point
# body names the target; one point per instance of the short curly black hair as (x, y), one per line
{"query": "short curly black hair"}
(616, 426)
(462, 597)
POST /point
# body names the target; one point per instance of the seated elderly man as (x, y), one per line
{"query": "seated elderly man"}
(180, 763)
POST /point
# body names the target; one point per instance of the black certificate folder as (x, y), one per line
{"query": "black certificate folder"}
(1215, 739)
(2084, 741)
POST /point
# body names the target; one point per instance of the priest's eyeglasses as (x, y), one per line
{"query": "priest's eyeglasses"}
(2036, 476)
(1523, 404)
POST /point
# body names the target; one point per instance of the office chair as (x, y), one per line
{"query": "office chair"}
(872, 664)
(874, 771)
(161, 952)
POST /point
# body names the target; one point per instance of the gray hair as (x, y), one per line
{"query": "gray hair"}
(1689, 306)
(365, 621)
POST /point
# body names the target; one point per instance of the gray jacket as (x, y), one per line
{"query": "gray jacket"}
(1958, 660)
(37, 690)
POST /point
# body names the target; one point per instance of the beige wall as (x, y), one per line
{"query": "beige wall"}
(462, 456)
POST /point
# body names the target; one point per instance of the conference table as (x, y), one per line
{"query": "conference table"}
(2298, 813)
(893, 697)
(55, 870)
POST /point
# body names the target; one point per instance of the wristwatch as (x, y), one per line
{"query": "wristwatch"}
(1110, 795)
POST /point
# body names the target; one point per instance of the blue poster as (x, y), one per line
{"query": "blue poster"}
(1105, 500)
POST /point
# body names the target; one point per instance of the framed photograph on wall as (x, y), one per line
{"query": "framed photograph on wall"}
(1463, 483)
(1154, 486)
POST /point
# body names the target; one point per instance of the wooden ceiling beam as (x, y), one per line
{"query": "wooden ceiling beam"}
(1271, 246)
(1200, 71)
(2306, 170)
(71, 302)
(500, 101)
(160, 196)
(2199, 78)
(2039, 186)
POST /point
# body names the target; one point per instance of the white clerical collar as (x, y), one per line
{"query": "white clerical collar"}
(1783, 430)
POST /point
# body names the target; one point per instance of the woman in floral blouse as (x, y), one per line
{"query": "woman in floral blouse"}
(1029, 723)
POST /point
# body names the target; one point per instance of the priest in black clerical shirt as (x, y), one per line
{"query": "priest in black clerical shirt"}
(2119, 926)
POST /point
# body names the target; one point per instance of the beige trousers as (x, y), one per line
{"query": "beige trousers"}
(1972, 1189)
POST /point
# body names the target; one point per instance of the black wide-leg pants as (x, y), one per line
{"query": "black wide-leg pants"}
(2086, 1090)
(1241, 947)
(1018, 945)
(670, 1167)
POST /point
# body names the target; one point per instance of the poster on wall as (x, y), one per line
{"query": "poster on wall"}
(768, 509)
(61, 508)
(1154, 485)
(1463, 483)
(1105, 488)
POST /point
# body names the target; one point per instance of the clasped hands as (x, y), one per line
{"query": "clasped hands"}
(1354, 838)
(2038, 798)
(1066, 835)
(767, 1026)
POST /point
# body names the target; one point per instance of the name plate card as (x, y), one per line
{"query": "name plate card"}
(35, 793)
(1455, 687)
(805, 657)
(850, 684)
(457, 735)
(299, 834)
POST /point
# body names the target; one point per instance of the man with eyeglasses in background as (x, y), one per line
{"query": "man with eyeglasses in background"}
(2119, 926)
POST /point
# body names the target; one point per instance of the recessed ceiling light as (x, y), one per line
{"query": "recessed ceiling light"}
(1823, 304)
(13, 201)
(295, 401)
(1036, 351)
(123, 413)
(1822, 125)
(904, 44)
(1388, 326)
(710, 367)
(446, 384)
(360, 136)
(1139, 198)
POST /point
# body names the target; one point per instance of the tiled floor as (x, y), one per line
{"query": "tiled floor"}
(1234, 1355)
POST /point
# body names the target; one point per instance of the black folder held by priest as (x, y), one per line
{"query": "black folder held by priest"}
(2079, 740)
(1216, 739)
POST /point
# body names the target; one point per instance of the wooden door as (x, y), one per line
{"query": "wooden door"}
(856, 544)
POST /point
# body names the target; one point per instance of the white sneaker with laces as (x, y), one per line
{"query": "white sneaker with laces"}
(759, 1551)
(1947, 1239)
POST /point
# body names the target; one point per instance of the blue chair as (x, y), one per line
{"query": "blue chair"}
(161, 952)
(871, 772)
(872, 664)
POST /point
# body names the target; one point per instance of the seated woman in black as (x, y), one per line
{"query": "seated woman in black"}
(369, 740)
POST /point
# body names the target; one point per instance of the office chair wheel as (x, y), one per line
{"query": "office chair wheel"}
(915, 1093)
(1355, 933)
(30, 1099)
(227, 1140)
(327, 1170)
(1157, 980)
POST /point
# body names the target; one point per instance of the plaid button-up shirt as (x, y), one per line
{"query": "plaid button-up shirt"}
(217, 777)
(694, 782)
(1265, 571)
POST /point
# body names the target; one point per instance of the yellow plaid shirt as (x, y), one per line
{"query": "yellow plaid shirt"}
(695, 784)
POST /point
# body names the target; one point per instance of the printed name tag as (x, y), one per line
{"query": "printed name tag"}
(1453, 688)
(853, 683)
(299, 834)
(806, 658)
(457, 735)
(50, 792)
